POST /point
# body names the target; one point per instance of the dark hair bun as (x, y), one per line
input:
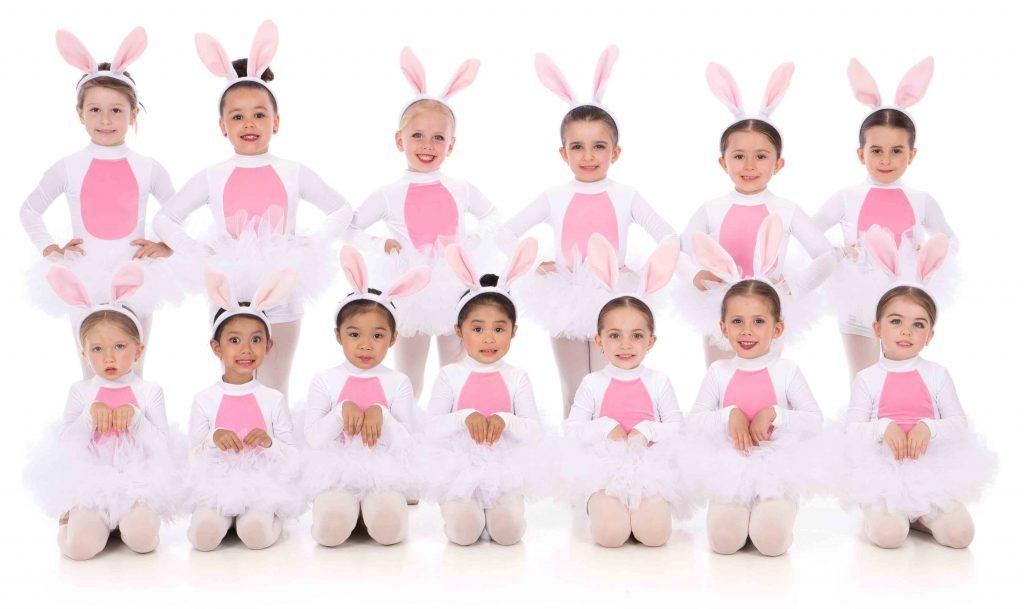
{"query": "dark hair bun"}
(241, 67)
(489, 281)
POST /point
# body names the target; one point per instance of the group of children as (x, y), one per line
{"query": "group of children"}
(361, 448)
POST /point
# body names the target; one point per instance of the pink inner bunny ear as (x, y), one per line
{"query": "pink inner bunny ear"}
(126, 281)
(464, 77)
(604, 70)
(458, 260)
(931, 256)
(660, 267)
(264, 46)
(219, 289)
(768, 244)
(414, 72)
(213, 56)
(74, 52)
(414, 280)
(713, 257)
(915, 83)
(552, 78)
(522, 260)
(865, 89)
(724, 86)
(67, 286)
(881, 245)
(131, 48)
(603, 260)
(354, 266)
(275, 290)
(778, 83)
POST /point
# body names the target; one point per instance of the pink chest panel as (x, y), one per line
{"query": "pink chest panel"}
(628, 402)
(888, 208)
(112, 398)
(738, 234)
(905, 399)
(254, 192)
(110, 199)
(431, 215)
(588, 214)
(240, 414)
(364, 391)
(751, 391)
(486, 393)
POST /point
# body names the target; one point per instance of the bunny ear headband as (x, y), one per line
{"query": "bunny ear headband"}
(903, 265)
(519, 264)
(264, 46)
(274, 290)
(604, 263)
(417, 77)
(552, 78)
(910, 90)
(70, 289)
(724, 86)
(75, 53)
(352, 263)
(713, 257)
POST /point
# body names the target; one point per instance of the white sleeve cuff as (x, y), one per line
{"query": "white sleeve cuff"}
(879, 428)
(931, 426)
(647, 429)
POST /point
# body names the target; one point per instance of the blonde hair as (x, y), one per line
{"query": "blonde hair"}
(119, 320)
(426, 105)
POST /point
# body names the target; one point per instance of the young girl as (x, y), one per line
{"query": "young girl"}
(359, 418)
(424, 211)
(565, 298)
(110, 464)
(106, 184)
(911, 460)
(482, 431)
(240, 430)
(254, 196)
(751, 154)
(625, 417)
(887, 138)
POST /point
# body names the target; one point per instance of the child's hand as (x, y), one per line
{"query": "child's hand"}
(258, 437)
(739, 431)
(151, 249)
(477, 425)
(495, 425)
(373, 420)
(636, 437)
(761, 425)
(896, 440)
(71, 246)
(705, 276)
(917, 440)
(225, 439)
(392, 247)
(102, 417)
(352, 418)
(849, 252)
(122, 417)
(617, 434)
(548, 266)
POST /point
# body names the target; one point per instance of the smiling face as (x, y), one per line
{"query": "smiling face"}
(365, 337)
(111, 351)
(625, 337)
(427, 137)
(487, 333)
(749, 325)
(249, 120)
(750, 160)
(106, 114)
(241, 347)
(589, 149)
(904, 328)
(886, 153)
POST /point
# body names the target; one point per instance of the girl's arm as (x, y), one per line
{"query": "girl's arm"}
(934, 221)
(533, 214)
(441, 421)
(706, 413)
(858, 415)
(323, 416)
(951, 412)
(817, 246)
(282, 439)
(651, 221)
(169, 223)
(581, 422)
(160, 184)
(523, 423)
(688, 267)
(398, 419)
(200, 427)
(154, 412)
(803, 414)
(670, 417)
(338, 211)
(831, 213)
(369, 213)
(53, 183)
(488, 218)
(77, 417)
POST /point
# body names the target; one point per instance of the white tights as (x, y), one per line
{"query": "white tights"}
(953, 528)
(465, 521)
(87, 372)
(411, 356)
(335, 514)
(768, 524)
(84, 533)
(861, 352)
(575, 359)
(277, 366)
(256, 529)
(611, 522)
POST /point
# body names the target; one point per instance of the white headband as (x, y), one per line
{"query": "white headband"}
(264, 46)
(75, 53)
(552, 78)
(354, 267)
(725, 88)
(521, 263)
(125, 282)
(274, 290)
(417, 77)
(911, 89)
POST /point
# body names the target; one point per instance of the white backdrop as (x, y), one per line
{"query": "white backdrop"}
(340, 91)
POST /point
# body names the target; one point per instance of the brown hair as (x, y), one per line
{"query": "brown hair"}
(358, 307)
(888, 117)
(754, 287)
(752, 125)
(915, 295)
(587, 114)
(120, 320)
(424, 105)
(109, 83)
(626, 302)
(487, 298)
(241, 67)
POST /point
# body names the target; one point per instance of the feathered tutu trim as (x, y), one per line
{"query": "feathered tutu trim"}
(954, 469)
(431, 311)
(253, 479)
(110, 477)
(353, 467)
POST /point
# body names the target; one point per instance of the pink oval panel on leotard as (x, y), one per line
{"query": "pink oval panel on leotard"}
(112, 398)
(888, 208)
(905, 399)
(363, 391)
(486, 393)
(588, 214)
(431, 215)
(751, 391)
(110, 199)
(251, 193)
(738, 234)
(628, 402)
(240, 414)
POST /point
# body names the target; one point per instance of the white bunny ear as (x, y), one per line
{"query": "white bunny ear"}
(414, 72)
(603, 260)
(604, 70)
(881, 245)
(264, 46)
(724, 86)
(865, 89)
(275, 290)
(464, 77)
(767, 245)
(218, 288)
(660, 267)
(128, 279)
(915, 83)
(714, 258)
(931, 256)
(521, 262)
(214, 57)
(74, 52)
(458, 260)
(778, 83)
(131, 48)
(354, 266)
(414, 280)
(68, 287)
(552, 78)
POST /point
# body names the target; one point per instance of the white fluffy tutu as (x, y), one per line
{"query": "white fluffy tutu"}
(254, 478)
(954, 469)
(353, 467)
(111, 477)
(431, 311)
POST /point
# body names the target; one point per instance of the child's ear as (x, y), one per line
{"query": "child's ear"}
(721, 163)
(81, 114)
(913, 153)
(616, 152)
(860, 155)
(451, 145)
(277, 122)
(394, 339)
(398, 141)
(458, 331)
(654, 339)
(270, 344)
(598, 342)
(877, 327)
(138, 353)
(721, 326)
(561, 151)
(215, 347)
(780, 327)
(779, 164)
(931, 335)
(514, 328)
(337, 335)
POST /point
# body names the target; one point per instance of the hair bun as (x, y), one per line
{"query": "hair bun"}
(489, 280)
(241, 67)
